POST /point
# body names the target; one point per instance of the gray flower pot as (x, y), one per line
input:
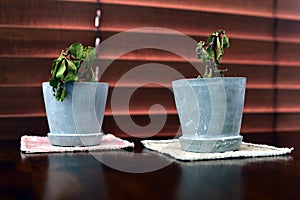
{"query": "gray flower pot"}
(210, 113)
(77, 121)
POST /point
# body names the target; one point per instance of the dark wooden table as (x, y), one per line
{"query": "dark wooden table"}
(83, 176)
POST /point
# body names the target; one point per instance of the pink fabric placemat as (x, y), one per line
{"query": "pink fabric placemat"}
(39, 144)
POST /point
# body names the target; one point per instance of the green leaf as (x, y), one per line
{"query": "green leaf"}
(54, 82)
(54, 67)
(77, 63)
(92, 79)
(89, 54)
(71, 77)
(56, 63)
(61, 70)
(89, 51)
(65, 67)
(71, 66)
(63, 95)
(58, 94)
(76, 50)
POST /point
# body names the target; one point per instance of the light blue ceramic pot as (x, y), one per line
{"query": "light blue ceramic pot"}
(210, 113)
(77, 121)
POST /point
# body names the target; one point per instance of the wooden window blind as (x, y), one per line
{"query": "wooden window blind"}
(264, 38)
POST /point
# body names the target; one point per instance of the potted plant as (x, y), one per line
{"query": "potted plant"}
(74, 108)
(210, 106)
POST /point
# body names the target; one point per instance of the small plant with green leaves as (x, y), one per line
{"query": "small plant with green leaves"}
(66, 68)
(211, 53)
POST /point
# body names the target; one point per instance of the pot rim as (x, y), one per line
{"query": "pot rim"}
(80, 82)
(206, 80)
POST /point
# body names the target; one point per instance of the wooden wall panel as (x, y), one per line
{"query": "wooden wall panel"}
(259, 100)
(288, 30)
(258, 123)
(21, 100)
(288, 9)
(288, 77)
(288, 100)
(30, 100)
(258, 76)
(32, 42)
(288, 122)
(119, 67)
(264, 48)
(13, 127)
(48, 14)
(24, 71)
(125, 129)
(288, 52)
(185, 21)
(254, 7)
